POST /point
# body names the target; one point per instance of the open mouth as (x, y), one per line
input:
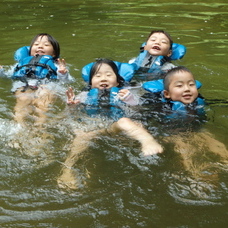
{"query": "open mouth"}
(39, 52)
(104, 86)
(156, 48)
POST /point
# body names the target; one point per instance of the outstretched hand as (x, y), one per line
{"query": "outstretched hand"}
(62, 66)
(71, 97)
(123, 93)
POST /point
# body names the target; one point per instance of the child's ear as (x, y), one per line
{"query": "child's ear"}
(166, 94)
(170, 53)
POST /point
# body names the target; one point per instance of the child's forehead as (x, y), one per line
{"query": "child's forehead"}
(42, 38)
(104, 66)
(181, 75)
(159, 34)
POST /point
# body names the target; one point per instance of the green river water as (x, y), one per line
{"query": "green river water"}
(122, 189)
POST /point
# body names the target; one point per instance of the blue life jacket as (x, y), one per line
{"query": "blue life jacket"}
(178, 52)
(125, 70)
(36, 67)
(104, 103)
(95, 95)
(157, 86)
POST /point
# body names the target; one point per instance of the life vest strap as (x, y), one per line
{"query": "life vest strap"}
(30, 71)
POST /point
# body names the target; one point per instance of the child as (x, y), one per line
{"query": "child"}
(38, 66)
(104, 77)
(179, 95)
(156, 54)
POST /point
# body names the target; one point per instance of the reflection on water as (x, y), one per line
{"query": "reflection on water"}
(119, 187)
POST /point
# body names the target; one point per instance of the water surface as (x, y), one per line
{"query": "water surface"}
(119, 187)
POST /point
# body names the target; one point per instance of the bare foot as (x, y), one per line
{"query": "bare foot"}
(68, 179)
(151, 147)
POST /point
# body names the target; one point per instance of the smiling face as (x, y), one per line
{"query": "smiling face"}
(158, 44)
(104, 77)
(182, 88)
(42, 46)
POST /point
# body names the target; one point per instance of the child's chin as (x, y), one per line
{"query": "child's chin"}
(187, 102)
(154, 53)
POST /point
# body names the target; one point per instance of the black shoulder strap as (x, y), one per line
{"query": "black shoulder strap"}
(35, 60)
(33, 63)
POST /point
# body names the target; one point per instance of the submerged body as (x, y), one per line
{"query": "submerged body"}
(181, 116)
(104, 76)
(35, 77)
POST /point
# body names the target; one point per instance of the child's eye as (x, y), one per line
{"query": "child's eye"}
(164, 42)
(179, 85)
(152, 38)
(192, 83)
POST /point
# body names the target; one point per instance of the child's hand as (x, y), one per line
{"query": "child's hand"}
(123, 94)
(71, 97)
(62, 66)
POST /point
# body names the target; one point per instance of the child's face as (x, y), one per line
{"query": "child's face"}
(182, 88)
(42, 47)
(104, 78)
(158, 44)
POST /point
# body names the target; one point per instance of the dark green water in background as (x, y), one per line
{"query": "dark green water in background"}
(123, 189)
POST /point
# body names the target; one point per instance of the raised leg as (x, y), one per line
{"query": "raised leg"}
(136, 131)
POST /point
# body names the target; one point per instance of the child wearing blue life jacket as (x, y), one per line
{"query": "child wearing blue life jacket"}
(178, 91)
(105, 91)
(180, 97)
(156, 55)
(39, 66)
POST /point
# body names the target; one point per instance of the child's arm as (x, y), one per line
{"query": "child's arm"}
(127, 97)
(1, 70)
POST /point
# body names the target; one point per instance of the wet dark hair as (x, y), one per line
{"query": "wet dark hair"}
(165, 33)
(52, 40)
(170, 73)
(96, 66)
